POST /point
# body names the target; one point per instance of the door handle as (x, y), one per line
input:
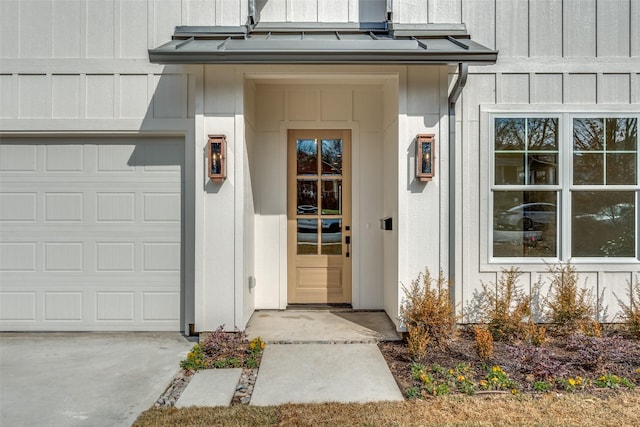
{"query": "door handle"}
(347, 240)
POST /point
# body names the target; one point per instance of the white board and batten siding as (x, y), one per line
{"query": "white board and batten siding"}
(92, 161)
(555, 55)
(91, 233)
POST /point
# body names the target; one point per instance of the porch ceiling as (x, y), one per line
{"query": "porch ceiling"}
(308, 43)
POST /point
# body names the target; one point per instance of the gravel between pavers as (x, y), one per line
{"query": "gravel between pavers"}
(244, 389)
(241, 396)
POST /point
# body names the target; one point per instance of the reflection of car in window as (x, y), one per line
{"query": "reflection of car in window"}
(307, 210)
(527, 216)
(311, 226)
(620, 213)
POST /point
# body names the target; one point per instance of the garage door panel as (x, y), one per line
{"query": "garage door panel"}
(17, 206)
(18, 158)
(64, 157)
(91, 233)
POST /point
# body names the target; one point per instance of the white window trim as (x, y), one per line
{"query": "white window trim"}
(566, 114)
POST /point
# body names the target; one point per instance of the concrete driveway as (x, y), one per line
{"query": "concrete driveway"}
(84, 379)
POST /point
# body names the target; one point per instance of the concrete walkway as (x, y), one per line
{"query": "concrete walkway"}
(311, 356)
(84, 379)
(307, 373)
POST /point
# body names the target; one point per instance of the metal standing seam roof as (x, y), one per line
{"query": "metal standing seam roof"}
(307, 43)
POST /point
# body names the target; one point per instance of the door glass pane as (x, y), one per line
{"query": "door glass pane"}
(307, 197)
(331, 237)
(332, 197)
(603, 223)
(307, 156)
(307, 236)
(331, 157)
(524, 224)
(509, 134)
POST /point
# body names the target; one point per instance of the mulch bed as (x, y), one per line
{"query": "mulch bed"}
(561, 357)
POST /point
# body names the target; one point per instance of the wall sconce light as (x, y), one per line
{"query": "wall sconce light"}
(217, 154)
(425, 166)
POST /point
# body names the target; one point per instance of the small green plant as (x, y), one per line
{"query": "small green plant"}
(569, 306)
(195, 360)
(498, 379)
(613, 381)
(506, 306)
(228, 362)
(542, 386)
(631, 312)
(428, 313)
(413, 393)
(256, 346)
(483, 342)
(437, 380)
(571, 384)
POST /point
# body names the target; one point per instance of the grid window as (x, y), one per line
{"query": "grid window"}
(592, 204)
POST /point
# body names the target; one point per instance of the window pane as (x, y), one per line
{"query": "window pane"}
(588, 169)
(543, 169)
(543, 134)
(307, 237)
(331, 237)
(307, 154)
(426, 165)
(509, 168)
(588, 134)
(332, 157)
(307, 197)
(509, 134)
(622, 134)
(524, 224)
(603, 224)
(332, 197)
(621, 169)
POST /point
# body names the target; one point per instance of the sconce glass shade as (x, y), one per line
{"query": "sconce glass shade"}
(425, 147)
(217, 170)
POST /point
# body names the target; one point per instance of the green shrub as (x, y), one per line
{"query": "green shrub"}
(569, 306)
(483, 342)
(631, 312)
(506, 307)
(428, 313)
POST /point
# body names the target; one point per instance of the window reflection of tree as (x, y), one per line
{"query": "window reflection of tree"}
(307, 157)
(509, 134)
(331, 157)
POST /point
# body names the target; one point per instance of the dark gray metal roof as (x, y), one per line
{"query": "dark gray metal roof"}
(321, 43)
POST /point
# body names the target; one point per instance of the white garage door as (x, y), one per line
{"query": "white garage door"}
(91, 233)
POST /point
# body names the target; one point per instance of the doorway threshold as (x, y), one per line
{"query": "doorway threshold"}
(321, 307)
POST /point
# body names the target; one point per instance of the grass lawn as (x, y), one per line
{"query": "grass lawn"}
(550, 409)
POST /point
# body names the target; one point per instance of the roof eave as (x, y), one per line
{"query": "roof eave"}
(158, 56)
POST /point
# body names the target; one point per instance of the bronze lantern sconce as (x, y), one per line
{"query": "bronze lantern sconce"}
(425, 148)
(217, 157)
